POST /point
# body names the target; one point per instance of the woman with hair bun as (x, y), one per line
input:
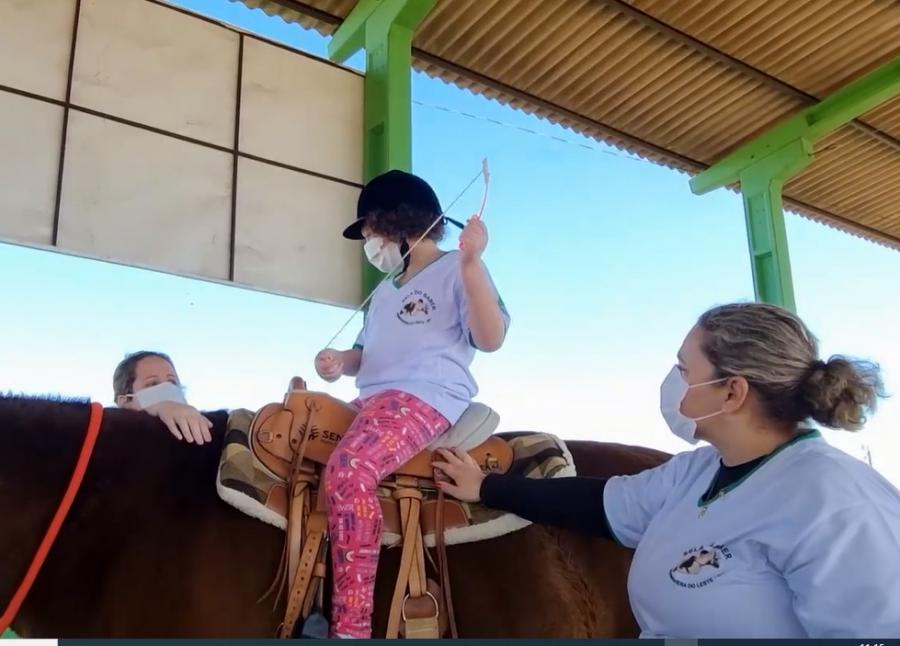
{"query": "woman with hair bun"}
(767, 532)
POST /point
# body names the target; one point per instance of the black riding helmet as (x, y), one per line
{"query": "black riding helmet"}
(390, 191)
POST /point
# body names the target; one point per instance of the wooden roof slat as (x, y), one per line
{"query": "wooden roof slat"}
(596, 66)
(727, 17)
(732, 124)
(581, 50)
(756, 28)
(692, 94)
(438, 26)
(886, 118)
(776, 60)
(628, 58)
(610, 99)
(850, 65)
(504, 36)
(454, 35)
(629, 108)
(563, 25)
(867, 183)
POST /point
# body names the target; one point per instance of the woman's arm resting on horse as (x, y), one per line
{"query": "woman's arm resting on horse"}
(570, 503)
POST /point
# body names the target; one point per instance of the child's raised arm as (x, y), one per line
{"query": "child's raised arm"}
(486, 322)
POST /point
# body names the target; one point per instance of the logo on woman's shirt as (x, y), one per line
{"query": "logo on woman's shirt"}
(416, 308)
(700, 566)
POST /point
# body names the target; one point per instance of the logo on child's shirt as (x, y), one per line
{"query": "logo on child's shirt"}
(416, 308)
(700, 566)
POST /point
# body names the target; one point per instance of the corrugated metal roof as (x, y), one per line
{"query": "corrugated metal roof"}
(680, 83)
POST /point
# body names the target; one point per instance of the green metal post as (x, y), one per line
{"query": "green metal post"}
(763, 165)
(385, 29)
(761, 185)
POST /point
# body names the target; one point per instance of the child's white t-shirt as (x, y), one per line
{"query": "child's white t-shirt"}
(416, 339)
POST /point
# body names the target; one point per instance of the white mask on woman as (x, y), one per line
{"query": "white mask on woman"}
(164, 392)
(671, 394)
(384, 255)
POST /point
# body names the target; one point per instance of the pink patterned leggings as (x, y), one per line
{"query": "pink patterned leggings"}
(392, 427)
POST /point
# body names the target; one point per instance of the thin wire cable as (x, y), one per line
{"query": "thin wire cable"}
(390, 275)
(528, 131)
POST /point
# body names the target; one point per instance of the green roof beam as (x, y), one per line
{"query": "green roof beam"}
(811, 124)
(765, 164)
(761, 185)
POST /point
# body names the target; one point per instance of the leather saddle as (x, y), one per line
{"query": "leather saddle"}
(294, 439)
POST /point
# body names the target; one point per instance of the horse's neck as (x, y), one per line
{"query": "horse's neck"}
(38, 447)
(39, 442)
(143, 493)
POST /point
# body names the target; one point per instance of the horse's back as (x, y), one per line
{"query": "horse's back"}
(153, 552)
(607, 459)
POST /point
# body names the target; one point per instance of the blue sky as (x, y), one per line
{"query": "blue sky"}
(604, 261)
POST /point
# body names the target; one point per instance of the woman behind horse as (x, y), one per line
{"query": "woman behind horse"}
(147, 381)
(767, 532)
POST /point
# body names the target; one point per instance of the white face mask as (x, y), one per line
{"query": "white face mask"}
(671, 395)
(385, 256)
(164, 392)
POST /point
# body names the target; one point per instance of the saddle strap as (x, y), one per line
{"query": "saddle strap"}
(406, 559)
(310, 568)
(443, 567)
(298, 507)
(305, 533)
(418, 609)
(295, 533)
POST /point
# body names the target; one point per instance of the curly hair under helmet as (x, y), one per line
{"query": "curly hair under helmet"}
(397, 205)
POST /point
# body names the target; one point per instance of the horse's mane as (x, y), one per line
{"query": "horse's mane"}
(46, 397)
(133, 448)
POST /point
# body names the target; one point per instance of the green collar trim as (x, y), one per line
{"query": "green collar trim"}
(808, 435)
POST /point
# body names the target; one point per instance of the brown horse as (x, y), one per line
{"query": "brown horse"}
(148, 549)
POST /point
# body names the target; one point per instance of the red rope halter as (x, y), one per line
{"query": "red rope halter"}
(84, 458)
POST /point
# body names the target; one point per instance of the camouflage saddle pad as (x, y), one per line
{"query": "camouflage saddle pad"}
(250, 487)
